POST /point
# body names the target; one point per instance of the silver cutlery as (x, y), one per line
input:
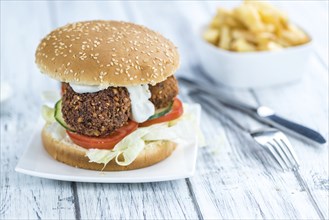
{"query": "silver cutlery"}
(279, 146)
(271, 139)
(261, 113)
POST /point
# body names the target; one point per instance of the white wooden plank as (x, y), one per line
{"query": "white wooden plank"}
(24, 197)
(275, 191)
(164, 200)
(309, 107)
(235, 181)
(230, 166)
(232, 175)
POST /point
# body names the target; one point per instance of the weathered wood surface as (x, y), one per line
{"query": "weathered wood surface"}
(234, 178)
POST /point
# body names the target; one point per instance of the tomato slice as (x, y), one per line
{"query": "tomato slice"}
(176, 112)
(107, 142)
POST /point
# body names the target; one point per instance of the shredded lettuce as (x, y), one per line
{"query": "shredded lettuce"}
(127, 150)
(48, 114)
(50, 96)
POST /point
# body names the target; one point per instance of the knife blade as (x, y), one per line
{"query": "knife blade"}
(261, 113)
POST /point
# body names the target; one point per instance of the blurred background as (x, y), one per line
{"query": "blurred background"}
(25, 23)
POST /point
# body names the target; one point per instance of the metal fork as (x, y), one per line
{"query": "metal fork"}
(272, 139)
(279, 146)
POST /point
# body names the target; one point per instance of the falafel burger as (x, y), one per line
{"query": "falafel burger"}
(118, 108)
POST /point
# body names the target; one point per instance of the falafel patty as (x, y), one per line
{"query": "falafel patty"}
(101, 113)
(98, 113)
(164, 92)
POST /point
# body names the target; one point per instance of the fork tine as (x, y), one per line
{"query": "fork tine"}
(285, 165)
(290, 150)
(276, 156)
(286, 146)
(284, 153)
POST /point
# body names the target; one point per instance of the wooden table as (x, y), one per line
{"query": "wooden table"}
(231, 180)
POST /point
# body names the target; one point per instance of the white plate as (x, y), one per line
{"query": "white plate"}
(181, 164)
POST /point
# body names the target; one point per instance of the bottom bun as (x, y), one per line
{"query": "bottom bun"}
(73, 155)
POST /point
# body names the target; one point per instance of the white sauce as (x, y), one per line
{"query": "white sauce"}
(142, 108)
(87, 89)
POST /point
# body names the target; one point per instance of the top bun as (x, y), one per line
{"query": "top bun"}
(107, 53)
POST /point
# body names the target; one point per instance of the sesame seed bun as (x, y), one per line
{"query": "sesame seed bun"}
(74, 155)
(107, 53)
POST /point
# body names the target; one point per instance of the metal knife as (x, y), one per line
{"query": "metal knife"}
(260, 113)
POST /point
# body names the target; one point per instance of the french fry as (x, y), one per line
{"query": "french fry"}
(211, 35)
(270, 45)
(227, 17)
(250, 17)
(244, 34)
(283, 42)
(216, 22)
(253, 25)
(225, 38)
(241, 45)
(294, 35)
(268, 11)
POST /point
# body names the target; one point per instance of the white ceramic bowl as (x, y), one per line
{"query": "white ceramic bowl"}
(253, 69)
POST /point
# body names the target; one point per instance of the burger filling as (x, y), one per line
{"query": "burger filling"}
(102, 112)
(98, 113)
(163, 93)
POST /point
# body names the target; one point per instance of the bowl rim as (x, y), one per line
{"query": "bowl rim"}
(261, 52)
